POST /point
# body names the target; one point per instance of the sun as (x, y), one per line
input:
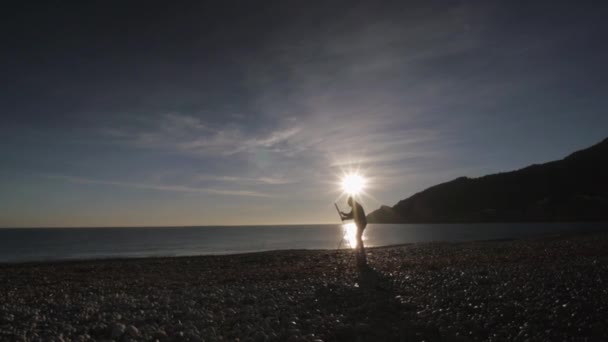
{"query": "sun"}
(353, 184)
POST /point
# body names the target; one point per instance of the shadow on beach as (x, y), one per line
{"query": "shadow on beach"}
(369, 310)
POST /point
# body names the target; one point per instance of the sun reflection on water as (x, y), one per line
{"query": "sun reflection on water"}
(350, 234)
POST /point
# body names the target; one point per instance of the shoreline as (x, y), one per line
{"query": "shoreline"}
(549, 287)
(312, 224)
(228, 254)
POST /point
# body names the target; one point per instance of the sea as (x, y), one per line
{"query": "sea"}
(50, 244)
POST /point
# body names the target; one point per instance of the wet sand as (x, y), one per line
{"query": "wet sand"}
(539, 289)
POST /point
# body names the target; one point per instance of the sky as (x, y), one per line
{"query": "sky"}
(146, 113)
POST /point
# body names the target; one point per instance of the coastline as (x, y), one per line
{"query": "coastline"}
(537, 288)
(55, 245)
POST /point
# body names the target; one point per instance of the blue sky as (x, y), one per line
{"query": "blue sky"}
(245, 113)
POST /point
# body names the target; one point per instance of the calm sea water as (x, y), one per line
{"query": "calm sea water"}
(85, 243)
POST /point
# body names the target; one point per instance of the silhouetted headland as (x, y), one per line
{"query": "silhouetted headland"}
(540, 289)
(572, 189)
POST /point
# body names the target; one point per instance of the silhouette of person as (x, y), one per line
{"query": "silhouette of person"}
(358, 215)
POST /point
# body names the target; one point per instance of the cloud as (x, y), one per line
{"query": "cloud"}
(189, 134)
(274, 138)
(246, 180)
(370, 91)
(357, 91)
(360, 92)
(358, 77)
(158, 187)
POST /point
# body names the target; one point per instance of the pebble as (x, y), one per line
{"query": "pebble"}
(116, 330)
(132, 331)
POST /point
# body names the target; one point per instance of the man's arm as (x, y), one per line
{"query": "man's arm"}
(348, 216)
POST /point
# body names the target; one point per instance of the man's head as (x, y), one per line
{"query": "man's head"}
(350, 201)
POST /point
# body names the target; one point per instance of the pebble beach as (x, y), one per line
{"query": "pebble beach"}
(550, 288)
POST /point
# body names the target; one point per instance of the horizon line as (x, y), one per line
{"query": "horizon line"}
(180, 226)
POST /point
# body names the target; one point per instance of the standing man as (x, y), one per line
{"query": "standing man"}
(358, 215)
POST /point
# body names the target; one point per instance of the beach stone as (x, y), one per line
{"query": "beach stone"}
(161, 335)
(7, 318)
(132, 331)
(194, 338)
(260, 336)
(117, 329)
(99, 329)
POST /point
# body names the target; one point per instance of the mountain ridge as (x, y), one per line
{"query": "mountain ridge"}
(574, 188)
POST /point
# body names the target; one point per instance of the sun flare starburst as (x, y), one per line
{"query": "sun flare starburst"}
(353, 184)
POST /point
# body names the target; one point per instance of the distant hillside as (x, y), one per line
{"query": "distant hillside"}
(572, 189)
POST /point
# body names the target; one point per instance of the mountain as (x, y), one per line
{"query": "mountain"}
(571, 189)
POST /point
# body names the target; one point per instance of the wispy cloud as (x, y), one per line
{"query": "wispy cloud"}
(189, 134)
(361, 96)
(246, 180)
(158, 187)
(368, 93)
(274, 138)
(364, 78)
